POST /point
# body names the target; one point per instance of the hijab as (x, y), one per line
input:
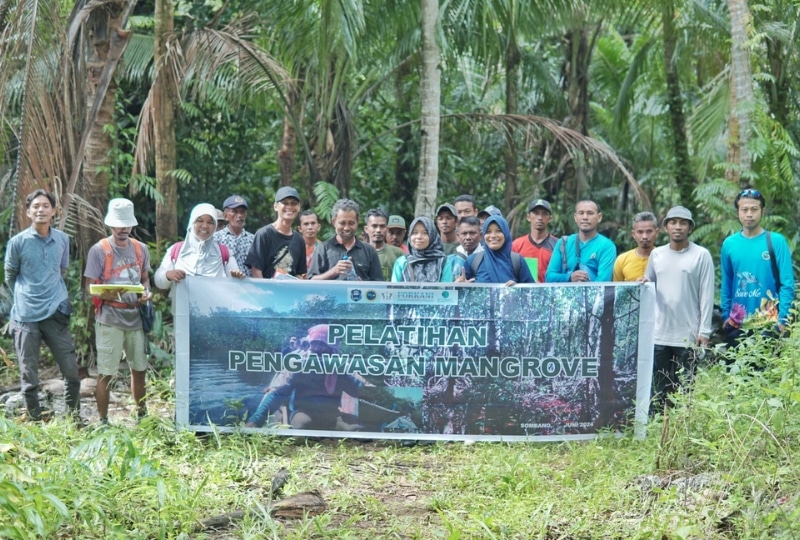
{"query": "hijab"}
(497, 263)
(200, 257)
(425, 265)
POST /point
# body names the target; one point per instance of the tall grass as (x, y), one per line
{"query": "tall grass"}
(721, 463)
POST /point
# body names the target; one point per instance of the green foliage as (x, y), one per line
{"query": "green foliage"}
(326, 195)
(723, 465)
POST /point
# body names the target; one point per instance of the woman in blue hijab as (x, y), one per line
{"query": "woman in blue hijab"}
(495, 264)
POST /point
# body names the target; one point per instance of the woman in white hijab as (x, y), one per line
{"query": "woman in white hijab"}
(199, 254)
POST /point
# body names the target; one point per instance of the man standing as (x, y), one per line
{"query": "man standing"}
(446, 223)
(377, 221)
(756, 271)
(345, 257)
(630, 266)
(468, 232)
(465, 206)
(35, 264)
(585, 256)
(119, 260)
(396, 233)
(490, 210)
(309, 229)
(683, 273)
(537, 246)
(238, 240)
(277, 248)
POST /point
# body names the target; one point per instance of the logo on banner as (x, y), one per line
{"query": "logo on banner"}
(425, 297)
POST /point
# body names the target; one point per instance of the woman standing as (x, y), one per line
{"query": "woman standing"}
(426, 261)
(199, 254)
(496, 264)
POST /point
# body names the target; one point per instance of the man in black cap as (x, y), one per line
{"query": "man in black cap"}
(537, 246)
(238, 240)
(278, 248)
(446, 217)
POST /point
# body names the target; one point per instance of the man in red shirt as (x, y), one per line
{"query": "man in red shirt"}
(537, 246)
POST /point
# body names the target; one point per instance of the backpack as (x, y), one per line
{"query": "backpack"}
(108, 270)
(516, 261)
(223, 249)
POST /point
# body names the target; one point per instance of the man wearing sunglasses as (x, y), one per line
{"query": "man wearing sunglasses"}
(757, 278)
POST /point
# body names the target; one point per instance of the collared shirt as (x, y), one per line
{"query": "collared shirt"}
(239, 246)
(33, 267)
(365, 259)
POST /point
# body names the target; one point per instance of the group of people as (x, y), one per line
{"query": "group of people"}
(459, 244)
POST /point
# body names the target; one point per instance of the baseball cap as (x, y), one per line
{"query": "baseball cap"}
(678, 212)
(449, 207)
(234, 201)
(396, 222)
(540, 202)
(490, 210)
(286, 192)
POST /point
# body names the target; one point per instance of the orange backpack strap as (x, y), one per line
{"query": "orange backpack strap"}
(109, 262)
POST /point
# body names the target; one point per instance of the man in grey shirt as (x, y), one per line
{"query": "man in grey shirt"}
(683, 273)
(119, 260)
(35, 264)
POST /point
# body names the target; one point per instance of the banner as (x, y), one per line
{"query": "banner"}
(413, 361)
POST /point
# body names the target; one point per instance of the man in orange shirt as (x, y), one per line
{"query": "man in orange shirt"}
(537, 246)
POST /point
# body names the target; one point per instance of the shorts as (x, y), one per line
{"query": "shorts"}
(112, 341)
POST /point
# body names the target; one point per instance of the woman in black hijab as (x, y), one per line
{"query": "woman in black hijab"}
(426, 261)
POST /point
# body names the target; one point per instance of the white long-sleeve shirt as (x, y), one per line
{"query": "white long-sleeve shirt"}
(684, 294)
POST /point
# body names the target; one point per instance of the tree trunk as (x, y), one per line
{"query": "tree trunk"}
(684, 178)
(605, 375)
(742, 96)
(511, 197)
(165, 94)
(286, 155)
(578, 55)
(96, 176)
(430, 90)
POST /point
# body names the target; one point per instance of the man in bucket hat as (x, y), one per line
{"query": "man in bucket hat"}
(683, 273)
(119, 260)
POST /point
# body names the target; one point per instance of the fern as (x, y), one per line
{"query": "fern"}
(326, 194)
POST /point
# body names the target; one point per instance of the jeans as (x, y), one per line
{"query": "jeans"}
(28, 338)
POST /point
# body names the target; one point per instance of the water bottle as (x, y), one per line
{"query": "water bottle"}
(351, 275)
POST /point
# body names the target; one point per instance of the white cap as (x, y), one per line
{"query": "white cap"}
(120, 214)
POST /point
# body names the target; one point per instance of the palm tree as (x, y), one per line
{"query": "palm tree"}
(429, 92)
(57, 73)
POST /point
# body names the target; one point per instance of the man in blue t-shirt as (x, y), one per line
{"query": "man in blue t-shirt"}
(753, 284)
(585, 256)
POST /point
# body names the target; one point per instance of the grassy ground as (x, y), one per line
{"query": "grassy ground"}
(722, 464)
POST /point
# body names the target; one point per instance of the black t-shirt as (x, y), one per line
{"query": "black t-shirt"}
(365, 259)
(272, 250)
